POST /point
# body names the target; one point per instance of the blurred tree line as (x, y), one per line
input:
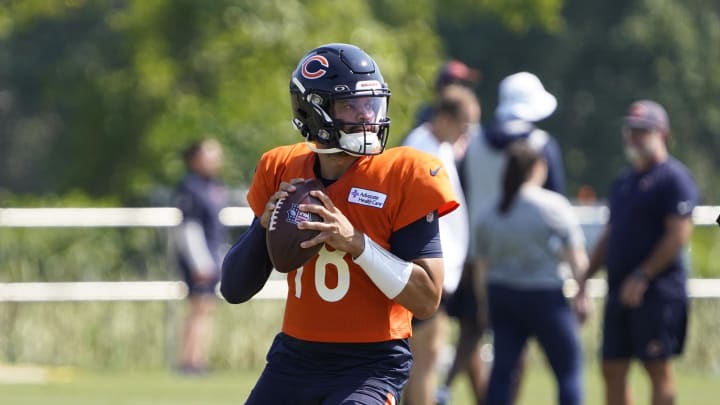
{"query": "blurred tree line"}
(98, 97)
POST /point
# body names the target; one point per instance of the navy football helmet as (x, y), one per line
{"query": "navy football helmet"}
(340, 100)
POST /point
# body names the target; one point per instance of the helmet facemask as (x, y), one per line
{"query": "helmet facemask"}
(355, 123)
(361, 123)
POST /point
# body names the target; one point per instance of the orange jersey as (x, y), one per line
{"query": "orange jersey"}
(330, 298)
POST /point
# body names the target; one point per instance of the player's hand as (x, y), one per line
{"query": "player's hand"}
(582, 306)
(335, 230)
(282, 192)
(632, 290)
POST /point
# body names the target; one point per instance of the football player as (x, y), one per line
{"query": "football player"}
(347, 316)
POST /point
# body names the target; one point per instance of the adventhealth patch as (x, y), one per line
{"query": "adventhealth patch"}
(367, 197)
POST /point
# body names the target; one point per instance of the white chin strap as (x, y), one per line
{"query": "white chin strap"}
(315, 149)
(362, 143)
(356, 144)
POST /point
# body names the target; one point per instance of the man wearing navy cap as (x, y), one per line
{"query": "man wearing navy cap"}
(454, 72)
(642, 248)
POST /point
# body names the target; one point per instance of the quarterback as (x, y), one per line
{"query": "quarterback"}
(344, 337)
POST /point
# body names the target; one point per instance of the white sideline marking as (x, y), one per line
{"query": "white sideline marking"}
(34, 374)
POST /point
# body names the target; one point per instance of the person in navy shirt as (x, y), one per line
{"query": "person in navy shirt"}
(642, 247)
(199, 243)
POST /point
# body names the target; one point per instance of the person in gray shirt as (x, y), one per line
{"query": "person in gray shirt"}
(525, 247)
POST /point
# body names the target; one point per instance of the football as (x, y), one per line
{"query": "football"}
(283, 236)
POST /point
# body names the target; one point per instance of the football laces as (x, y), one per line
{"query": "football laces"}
(272, 225)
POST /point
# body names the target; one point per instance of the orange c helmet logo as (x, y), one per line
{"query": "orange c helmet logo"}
(318, 73)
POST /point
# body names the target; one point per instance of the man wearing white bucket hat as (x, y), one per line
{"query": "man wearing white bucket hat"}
(523, 97)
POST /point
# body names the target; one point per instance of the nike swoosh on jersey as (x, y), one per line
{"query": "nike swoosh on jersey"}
(436, 171)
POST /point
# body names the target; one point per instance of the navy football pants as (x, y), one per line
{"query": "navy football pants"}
(308, 373)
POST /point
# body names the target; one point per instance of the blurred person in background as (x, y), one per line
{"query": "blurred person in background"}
(522, 101)
(460, 303)
(453, 72)
(449, 121)
(198, 243)
(642, 247)
(523, 245)
(346, 342)
(470, 103)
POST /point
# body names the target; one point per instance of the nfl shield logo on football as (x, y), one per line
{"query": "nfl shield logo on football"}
(295, 216)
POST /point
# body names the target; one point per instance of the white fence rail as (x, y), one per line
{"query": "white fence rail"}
(89, 217)
(232, 216)
(273, 290)
(93, 291)
(162, 217)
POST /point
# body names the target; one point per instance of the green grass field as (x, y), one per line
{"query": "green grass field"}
(85, 387)
(108, 339)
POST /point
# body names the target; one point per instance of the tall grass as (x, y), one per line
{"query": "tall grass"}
(130, 334)
(117, 335)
